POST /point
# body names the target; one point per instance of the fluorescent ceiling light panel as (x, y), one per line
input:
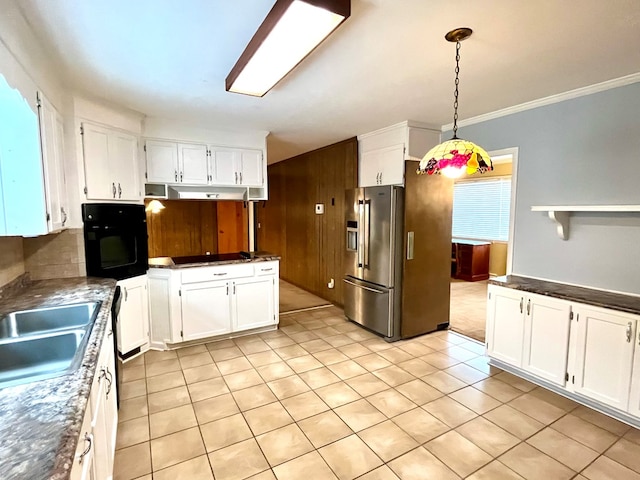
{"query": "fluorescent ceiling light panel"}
(291, 30)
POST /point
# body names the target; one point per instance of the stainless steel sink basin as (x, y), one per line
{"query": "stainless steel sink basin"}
(37, 357)
(37, 321)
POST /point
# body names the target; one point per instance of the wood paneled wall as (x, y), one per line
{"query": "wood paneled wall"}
(311, 245)
(193, 227)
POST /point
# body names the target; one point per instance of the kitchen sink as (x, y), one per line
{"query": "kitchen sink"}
(45, 342)
(41, 320)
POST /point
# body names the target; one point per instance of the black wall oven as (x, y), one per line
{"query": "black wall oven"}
(115, 240)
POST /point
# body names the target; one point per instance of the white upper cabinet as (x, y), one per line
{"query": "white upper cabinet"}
(223, 167)
(162, 161)
(382, 153)
(232, 166)
(193, 160)
(110, 164)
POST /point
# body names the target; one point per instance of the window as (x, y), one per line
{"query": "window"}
(481, 209)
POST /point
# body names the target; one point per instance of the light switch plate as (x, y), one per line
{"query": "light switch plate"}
(319, 208)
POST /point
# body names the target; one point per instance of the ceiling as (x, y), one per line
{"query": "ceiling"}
(387, 63)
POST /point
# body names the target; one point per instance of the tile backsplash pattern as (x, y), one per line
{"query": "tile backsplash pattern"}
(58, 255)
(11, 259)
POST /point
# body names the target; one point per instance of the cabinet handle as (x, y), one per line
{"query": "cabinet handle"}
(110, 380)
(240, 177)
(180, 176)
(236, 177)
(119, 190)
(126, 294)
(380, 178)
(219, 274)
(64, 216)
(629, 331)
(529, 307)
(113, 189)
(521, 302)
(227, 289)
(234, 288)
(110, 333)
(266, 269)
(175, 175)
(87, 438)
(377, 178)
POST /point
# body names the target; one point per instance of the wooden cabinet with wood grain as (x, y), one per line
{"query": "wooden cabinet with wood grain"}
(471, 260)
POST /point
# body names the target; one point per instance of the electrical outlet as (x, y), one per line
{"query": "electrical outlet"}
(331, 283)
(319, 208)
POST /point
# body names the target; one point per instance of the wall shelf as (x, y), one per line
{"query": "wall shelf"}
(560, 214)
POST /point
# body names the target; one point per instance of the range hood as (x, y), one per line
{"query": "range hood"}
(201, 192)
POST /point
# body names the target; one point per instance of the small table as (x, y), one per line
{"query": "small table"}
(470, 259)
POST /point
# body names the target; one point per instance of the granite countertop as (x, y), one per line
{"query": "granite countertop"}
(167, 262)
(598, 298)
(41, 421)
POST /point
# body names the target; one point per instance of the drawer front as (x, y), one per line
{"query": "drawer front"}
(222, 272)
(266, 268)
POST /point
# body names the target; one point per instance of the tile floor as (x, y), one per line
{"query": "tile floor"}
(468, 308)
(323, 399)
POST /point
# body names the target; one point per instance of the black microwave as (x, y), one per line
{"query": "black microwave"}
(115, 240)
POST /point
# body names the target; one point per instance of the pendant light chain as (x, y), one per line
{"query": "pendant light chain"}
(455, 93)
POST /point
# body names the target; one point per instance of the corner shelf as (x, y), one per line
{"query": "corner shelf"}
(560, 214)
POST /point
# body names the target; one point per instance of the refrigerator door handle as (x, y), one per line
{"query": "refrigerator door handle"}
(360, 235)
(363, 287)
(367, 232)
(410, 245)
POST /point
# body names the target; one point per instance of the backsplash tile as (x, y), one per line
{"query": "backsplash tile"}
(11, 259)
(58, 255)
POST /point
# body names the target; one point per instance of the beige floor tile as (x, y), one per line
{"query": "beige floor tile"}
(367, 384)
(304, 405)
(193, 350)
(136, 361)
(153, 356)
(626, 453)
(171, 421)
(284, 444)
(314, 346)
(219, 344)
(166, 399)
(133, 408)
(475, 400)
(354, 350)
(207, 389)
(539, 409)
(132, 373)
(449, 411)
(350, 457)
(422, 426)
(466, 373)
(444, 382)
(263, 358)
(266, 475)
(133, 389)
(415, 348)
(275, 371)
(224, 432)
(419, 464)
(459, 353)
(242, 380)
(337, 394)
(324, 428)
(495, 471)
(373, 361)
(633, 435)
(132, 462)
(319, 377)
(215, 408)
(482, 364)
(395, 355)
(238, 461)
(567, 451)
(393, 376)
(234, 365)
(310, 467)
(201, 373)
(359, 415)
(419, 392)
(514, 422)
(417, 367)
(222, 354)
(347, 369)
(279, 342)
(473, 346)
(517, 382)
(253, 397)
(267, 418)
(603, 421)
(497, 389)
(164, 366)
(458, 453)
(488, 436)
(165, 381)
(554, 399)
(388, 440)
(380, 473)
(440, 360)
(377, 344)
(391, 402)
(291, 351)
(304, 363)
(535, 465)
(307, 336)
(195, 469)
(606, 469)
(256, 346)
(584, 432)
(434, 342)
(176, 448)
(332, 356)
(132, 432)
(288, 386)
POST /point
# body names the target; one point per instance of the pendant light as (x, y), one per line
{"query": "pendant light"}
(456, 157)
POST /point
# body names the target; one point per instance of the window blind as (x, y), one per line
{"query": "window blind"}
(481, 209)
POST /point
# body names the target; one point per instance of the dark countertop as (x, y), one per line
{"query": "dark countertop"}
(41, 421)
(167, 262)
(598, 298)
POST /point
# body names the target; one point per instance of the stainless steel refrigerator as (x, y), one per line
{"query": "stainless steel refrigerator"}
(398, 256)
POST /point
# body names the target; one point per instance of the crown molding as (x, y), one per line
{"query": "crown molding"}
(541, 102)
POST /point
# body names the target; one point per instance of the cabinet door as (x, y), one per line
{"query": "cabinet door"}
(193, 163)
(546, 337)
(391, 165)
(505, 325)
(369, 169)
(253, 302)
(206, 310)
(162, 161)
(123, 165)
(223, 168)
(83, 467)
(97, 174)
(634, 397)
(604, 355)
(133, 319)
(250, 168)
(110, 405)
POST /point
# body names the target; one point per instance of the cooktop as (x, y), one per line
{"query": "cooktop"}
(216, 257)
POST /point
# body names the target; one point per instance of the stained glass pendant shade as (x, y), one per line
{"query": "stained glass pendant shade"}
(456, 157)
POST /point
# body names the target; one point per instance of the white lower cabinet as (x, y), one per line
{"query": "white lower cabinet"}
(253, 302)
(505, 324)
(206, 310)
(634, 394)
(133, 319)
(83, 466)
